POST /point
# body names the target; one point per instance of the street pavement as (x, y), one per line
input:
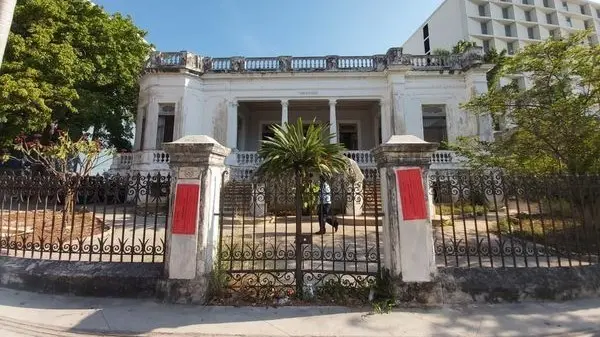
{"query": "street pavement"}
(31, 314)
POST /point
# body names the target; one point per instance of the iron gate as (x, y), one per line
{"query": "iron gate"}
(262, 221)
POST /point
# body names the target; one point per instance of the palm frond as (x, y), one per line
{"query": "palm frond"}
(303, 149)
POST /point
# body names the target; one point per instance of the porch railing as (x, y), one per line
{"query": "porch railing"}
(362, 158)
(168, 61)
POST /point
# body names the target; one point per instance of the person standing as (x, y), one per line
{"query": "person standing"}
(325, 207)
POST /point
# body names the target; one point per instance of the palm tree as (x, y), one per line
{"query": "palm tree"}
(7, 9)
(300, 151)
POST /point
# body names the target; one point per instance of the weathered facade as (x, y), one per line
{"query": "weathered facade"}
(365, 99)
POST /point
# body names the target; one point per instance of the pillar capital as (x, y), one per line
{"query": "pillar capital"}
(233, 103)
(285, 102)
(332, 101)
(404, 150)
(194, 151)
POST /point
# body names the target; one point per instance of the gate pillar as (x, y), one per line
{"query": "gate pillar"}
(192, 234)
(403, 162)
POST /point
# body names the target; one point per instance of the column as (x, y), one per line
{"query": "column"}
(139, 128)
(385, 120)
(333, 120)
(151, 124)
(192, 237)
(403, 162)
(232, 121)
(284, 111)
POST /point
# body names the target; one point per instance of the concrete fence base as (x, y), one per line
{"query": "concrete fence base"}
(101, 279)
(496, 285)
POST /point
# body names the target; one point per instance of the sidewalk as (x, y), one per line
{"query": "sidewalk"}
(31, 314)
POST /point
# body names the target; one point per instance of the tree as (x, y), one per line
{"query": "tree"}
(70, 63)
(462, 46)
(441, 52)
(497, 59)
(556, 121)
(7, 8)
(66, 160)
(299, 150)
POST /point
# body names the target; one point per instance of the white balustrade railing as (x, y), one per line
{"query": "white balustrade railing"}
(247, 158)
(309, 63)
(250, 159)
(356, 62)
(160, 157)
(362, 158)
(262, 64)
(443, 157)
(125, 159)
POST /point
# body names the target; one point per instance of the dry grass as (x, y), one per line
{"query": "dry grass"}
(49, 226)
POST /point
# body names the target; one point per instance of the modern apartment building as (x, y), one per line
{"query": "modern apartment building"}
(503, 24)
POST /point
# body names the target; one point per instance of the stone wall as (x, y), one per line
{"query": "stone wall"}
(496, 285)
(103, 279)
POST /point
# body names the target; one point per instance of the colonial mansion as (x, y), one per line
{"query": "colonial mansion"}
(364, 99)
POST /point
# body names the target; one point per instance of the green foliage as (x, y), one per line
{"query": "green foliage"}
(497, 59)
(296, 149)
(310, 196)
(441, 52)
(70, 62)
(462, 46)
(557, 123)
(384, 299)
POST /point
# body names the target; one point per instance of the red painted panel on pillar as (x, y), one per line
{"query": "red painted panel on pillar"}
(412, 194)
(186, 209)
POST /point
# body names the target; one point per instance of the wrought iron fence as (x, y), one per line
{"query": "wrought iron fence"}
(96, 218)
(268, 242)
(488, 219)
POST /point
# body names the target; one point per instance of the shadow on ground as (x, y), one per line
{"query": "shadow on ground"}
(131, 317)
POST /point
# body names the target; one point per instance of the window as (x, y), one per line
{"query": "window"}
(598, 13)
(554, 33)
(166, 124)
(486, 45)
(546, 3)
(484, 28)
(528, 16)
(505, 13)
(526, 2)
(549, 19)
(427, 47)
(507, 30)
(434, 123)
(426, 31)
(565, 5)
(582, 9)
(348, 135)
(530, 33)
(510, 48)
(569, 22)
(482, 11)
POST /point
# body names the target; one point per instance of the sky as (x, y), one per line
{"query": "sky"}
(222, 28)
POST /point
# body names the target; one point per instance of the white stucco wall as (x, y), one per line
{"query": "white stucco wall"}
(447, 25)
(203, 103)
